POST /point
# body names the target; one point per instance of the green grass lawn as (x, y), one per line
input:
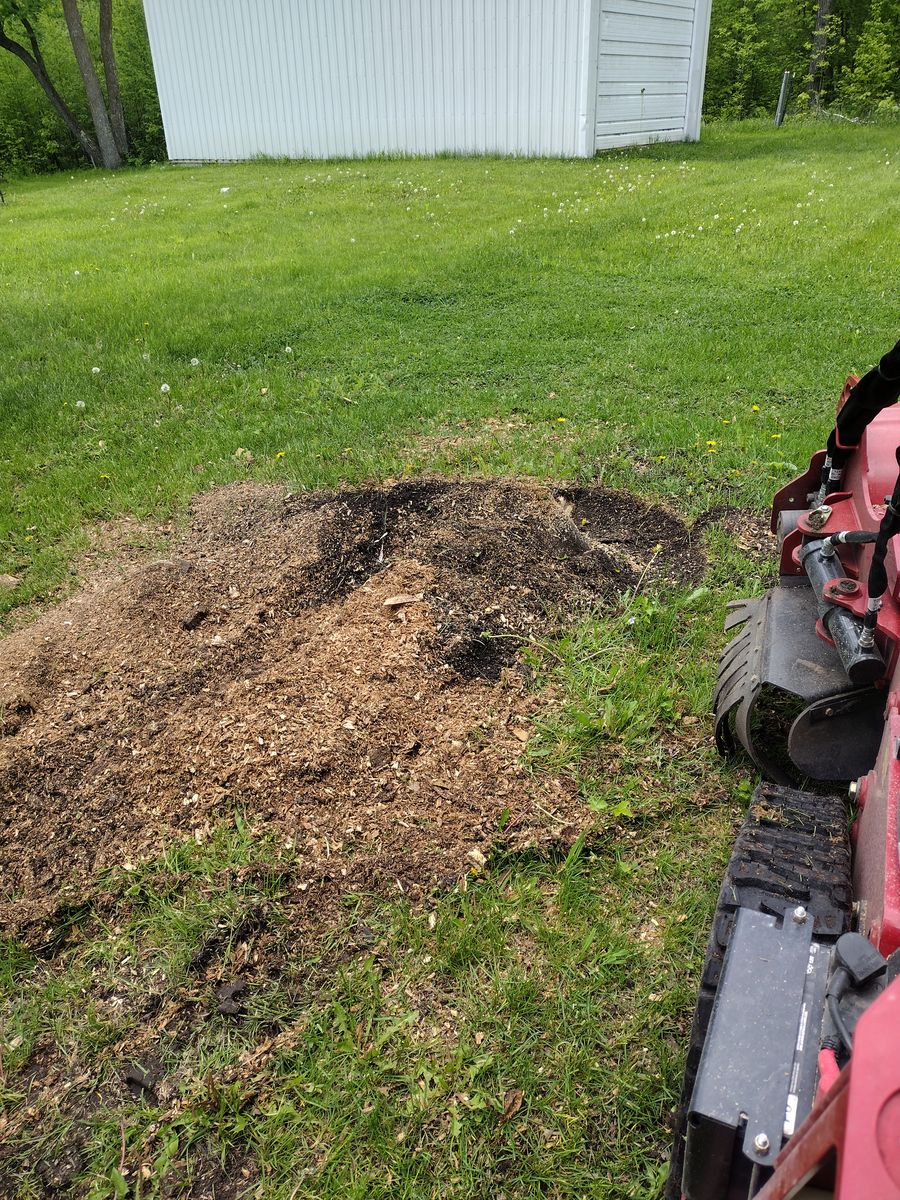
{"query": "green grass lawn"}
(676, 320)
(684, 311)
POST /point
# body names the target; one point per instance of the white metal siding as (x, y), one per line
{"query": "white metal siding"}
(650, 70)
(335, 78)
(344, 78)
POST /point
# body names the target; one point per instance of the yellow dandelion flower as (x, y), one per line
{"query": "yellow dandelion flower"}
(775, 437)
(754, 408)
(281, 454)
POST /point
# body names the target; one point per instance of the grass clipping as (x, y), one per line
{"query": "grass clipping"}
(338, 668)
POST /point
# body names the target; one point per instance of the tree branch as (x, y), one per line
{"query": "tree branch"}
(111, 74)
(35, 64)
(109, 151)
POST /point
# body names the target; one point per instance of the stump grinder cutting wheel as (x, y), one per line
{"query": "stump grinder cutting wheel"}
(792, 1081)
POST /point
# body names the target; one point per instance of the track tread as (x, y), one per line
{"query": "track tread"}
(793, 848)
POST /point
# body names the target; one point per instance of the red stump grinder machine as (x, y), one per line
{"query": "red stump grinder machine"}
(792, 1082)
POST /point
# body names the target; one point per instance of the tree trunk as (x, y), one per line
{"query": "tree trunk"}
(109, 152)
(819, 50)
(35, 64)
(113, 94)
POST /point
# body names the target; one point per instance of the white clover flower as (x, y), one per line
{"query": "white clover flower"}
(95, 370)
(224, 191)
(796, 222)
(79, 404)
(165, 388)
(146, 356)
(289, 349)
(76, 273)
(195, 362)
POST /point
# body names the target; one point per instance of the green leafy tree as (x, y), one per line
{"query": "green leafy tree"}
(873, 78)
(107, 144)
(752, 42)
(818, 61)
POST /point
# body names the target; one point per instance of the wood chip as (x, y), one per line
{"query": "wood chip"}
(403, 598)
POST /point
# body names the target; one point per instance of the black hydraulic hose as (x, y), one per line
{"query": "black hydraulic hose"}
(849, 537)
(836, 989)
(878, 581)
(878, 389)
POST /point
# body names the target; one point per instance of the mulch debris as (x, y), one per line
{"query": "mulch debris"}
(340, 668)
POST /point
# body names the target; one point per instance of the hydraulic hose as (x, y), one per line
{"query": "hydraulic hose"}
(848, 537)
(878, 581)
(878, 389)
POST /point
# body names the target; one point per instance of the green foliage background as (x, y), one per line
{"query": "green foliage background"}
(752, 42)
(32, 137)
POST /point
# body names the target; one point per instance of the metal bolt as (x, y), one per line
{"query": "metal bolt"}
(799, 915)
(761, 1143)
(819, 516)
(848, 586)
(829, 712)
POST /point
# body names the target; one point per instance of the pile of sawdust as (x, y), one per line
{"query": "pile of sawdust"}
(340, 668)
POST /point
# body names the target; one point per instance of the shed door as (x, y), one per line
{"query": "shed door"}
(643, 70)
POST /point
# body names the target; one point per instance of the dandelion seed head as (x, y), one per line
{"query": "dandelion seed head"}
(164, 388)
(95, 370)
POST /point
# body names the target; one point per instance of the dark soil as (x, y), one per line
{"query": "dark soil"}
(341, 668)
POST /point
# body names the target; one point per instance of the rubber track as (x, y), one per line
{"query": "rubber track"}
(793, 848)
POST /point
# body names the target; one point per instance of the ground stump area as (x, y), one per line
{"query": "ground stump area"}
(341, 668)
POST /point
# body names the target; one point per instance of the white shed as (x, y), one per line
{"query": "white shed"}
(347, 78)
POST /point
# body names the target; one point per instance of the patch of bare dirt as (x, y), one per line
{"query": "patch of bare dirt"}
(750, 530)
(338, 667)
